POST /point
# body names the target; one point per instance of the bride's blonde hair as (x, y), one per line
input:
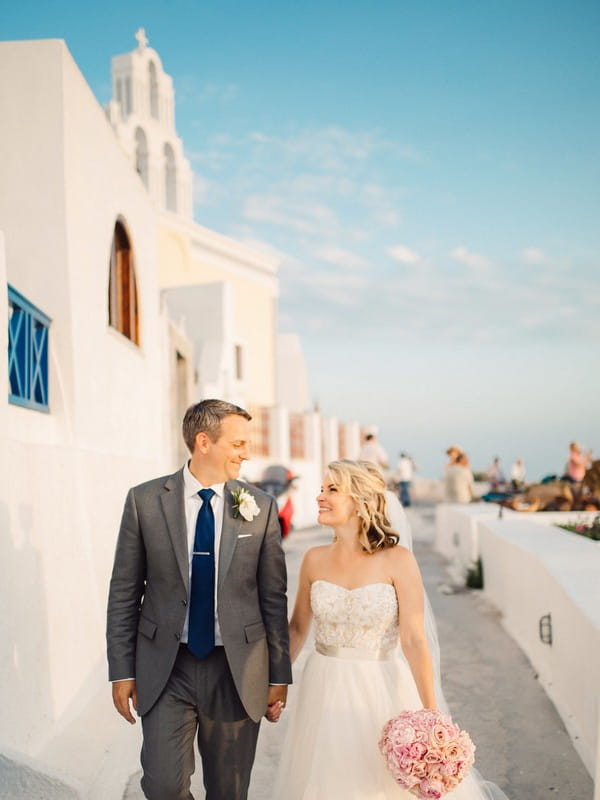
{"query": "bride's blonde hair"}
(364, 483)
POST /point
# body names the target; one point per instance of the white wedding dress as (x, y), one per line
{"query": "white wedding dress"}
(354, 681)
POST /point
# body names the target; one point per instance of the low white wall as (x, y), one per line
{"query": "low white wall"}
(456, 529)
(456, 535)
(531, 571)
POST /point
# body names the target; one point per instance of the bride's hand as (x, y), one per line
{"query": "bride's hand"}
(276, 702)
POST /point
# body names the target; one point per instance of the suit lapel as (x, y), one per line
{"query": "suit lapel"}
(173, 506)
(229, 532)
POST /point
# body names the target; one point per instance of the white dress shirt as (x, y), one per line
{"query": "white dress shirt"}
(193, 503)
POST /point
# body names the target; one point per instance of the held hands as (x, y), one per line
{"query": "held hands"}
(122, 693)
(276, 702)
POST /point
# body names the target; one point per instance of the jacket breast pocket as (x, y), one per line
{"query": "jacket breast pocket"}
(255, 632)
(147, 627)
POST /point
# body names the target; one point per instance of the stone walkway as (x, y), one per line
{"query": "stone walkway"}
(490, 686)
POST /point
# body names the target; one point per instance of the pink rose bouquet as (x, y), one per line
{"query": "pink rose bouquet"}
(427, 754)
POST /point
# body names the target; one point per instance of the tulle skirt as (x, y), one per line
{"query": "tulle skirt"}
(331, 747)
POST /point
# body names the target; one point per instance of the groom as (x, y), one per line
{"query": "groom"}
(197, 613)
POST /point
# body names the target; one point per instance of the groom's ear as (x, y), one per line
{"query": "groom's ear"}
(201, 442)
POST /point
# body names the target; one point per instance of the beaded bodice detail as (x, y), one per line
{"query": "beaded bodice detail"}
(365, 618)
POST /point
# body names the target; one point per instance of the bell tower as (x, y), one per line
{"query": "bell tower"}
(142, 112)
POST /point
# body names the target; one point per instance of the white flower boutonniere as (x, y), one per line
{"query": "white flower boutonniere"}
(244, 504)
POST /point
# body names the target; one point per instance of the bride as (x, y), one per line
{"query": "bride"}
(365, 594)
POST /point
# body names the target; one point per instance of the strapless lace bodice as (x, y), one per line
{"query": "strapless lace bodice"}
(365, 618)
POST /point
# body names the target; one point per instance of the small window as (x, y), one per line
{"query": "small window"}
(239, 363)
(122, 289)
(170, 179)
(141, 155)
(153, 90)
(128, 97)
(27, 353)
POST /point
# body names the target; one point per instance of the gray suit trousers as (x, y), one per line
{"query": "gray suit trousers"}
(199, 698)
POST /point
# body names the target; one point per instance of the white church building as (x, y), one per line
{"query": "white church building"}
(121, 311)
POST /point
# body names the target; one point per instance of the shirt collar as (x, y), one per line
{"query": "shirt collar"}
(192, 485)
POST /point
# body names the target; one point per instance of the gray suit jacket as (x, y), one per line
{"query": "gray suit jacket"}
(149, 593)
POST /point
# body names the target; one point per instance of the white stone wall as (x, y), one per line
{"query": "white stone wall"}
(456, 534)
(457, 529)
(66, 472)
(292, 381)
(531, 571)
(193, 256)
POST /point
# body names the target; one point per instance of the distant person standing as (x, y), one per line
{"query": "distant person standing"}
(372, 451)
(404, 474)
(517, 474)
(458, 481)
(495, 475)
(453, 452)
(577, 464)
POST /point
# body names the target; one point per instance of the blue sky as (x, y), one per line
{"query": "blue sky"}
(429, 174)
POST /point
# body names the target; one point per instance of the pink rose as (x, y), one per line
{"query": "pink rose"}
(432, 790)
(439, 734)
(420, 769)
(449, 768)
(452, 751)
(417, 750)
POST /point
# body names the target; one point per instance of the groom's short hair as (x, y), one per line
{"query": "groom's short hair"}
(206, 417)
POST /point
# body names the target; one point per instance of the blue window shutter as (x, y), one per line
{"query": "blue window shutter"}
(27, 353)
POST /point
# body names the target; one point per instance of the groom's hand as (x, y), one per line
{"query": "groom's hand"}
(276, 702)
(122, 693)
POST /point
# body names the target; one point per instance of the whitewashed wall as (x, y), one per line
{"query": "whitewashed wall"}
(457, 529)
(456, 534)
(531, 571)
(64, 185)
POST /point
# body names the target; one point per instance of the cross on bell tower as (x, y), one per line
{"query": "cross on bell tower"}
(141, 38)
(143, 114)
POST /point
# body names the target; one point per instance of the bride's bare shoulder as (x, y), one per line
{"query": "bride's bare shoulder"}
(399, 556)
(315, 556)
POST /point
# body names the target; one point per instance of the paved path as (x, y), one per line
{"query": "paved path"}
(490, 686)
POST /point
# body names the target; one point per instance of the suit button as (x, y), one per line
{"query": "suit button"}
(184, 602)
(178, 636)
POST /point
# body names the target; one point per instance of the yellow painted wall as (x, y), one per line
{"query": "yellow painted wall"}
(254, 307)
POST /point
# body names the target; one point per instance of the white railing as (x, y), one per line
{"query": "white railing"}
(544, 581)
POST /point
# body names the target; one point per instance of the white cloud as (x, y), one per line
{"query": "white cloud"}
(334, 254)
(469, 258)
(203, 189)
(308, 218)
(532, 255)
(403, 254)
(192, 91)
(332, 148)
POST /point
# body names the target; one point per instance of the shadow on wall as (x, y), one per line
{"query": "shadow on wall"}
(25, 689)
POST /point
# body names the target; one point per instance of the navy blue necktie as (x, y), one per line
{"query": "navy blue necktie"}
(201, 632)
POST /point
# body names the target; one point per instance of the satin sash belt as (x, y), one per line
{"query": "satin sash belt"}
(353, 652)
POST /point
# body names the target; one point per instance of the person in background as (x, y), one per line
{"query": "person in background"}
(577, 464)
(453, 453)
(495, 475)
(404, 475)
(371, 450)
(517, 474)
(458, 481)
